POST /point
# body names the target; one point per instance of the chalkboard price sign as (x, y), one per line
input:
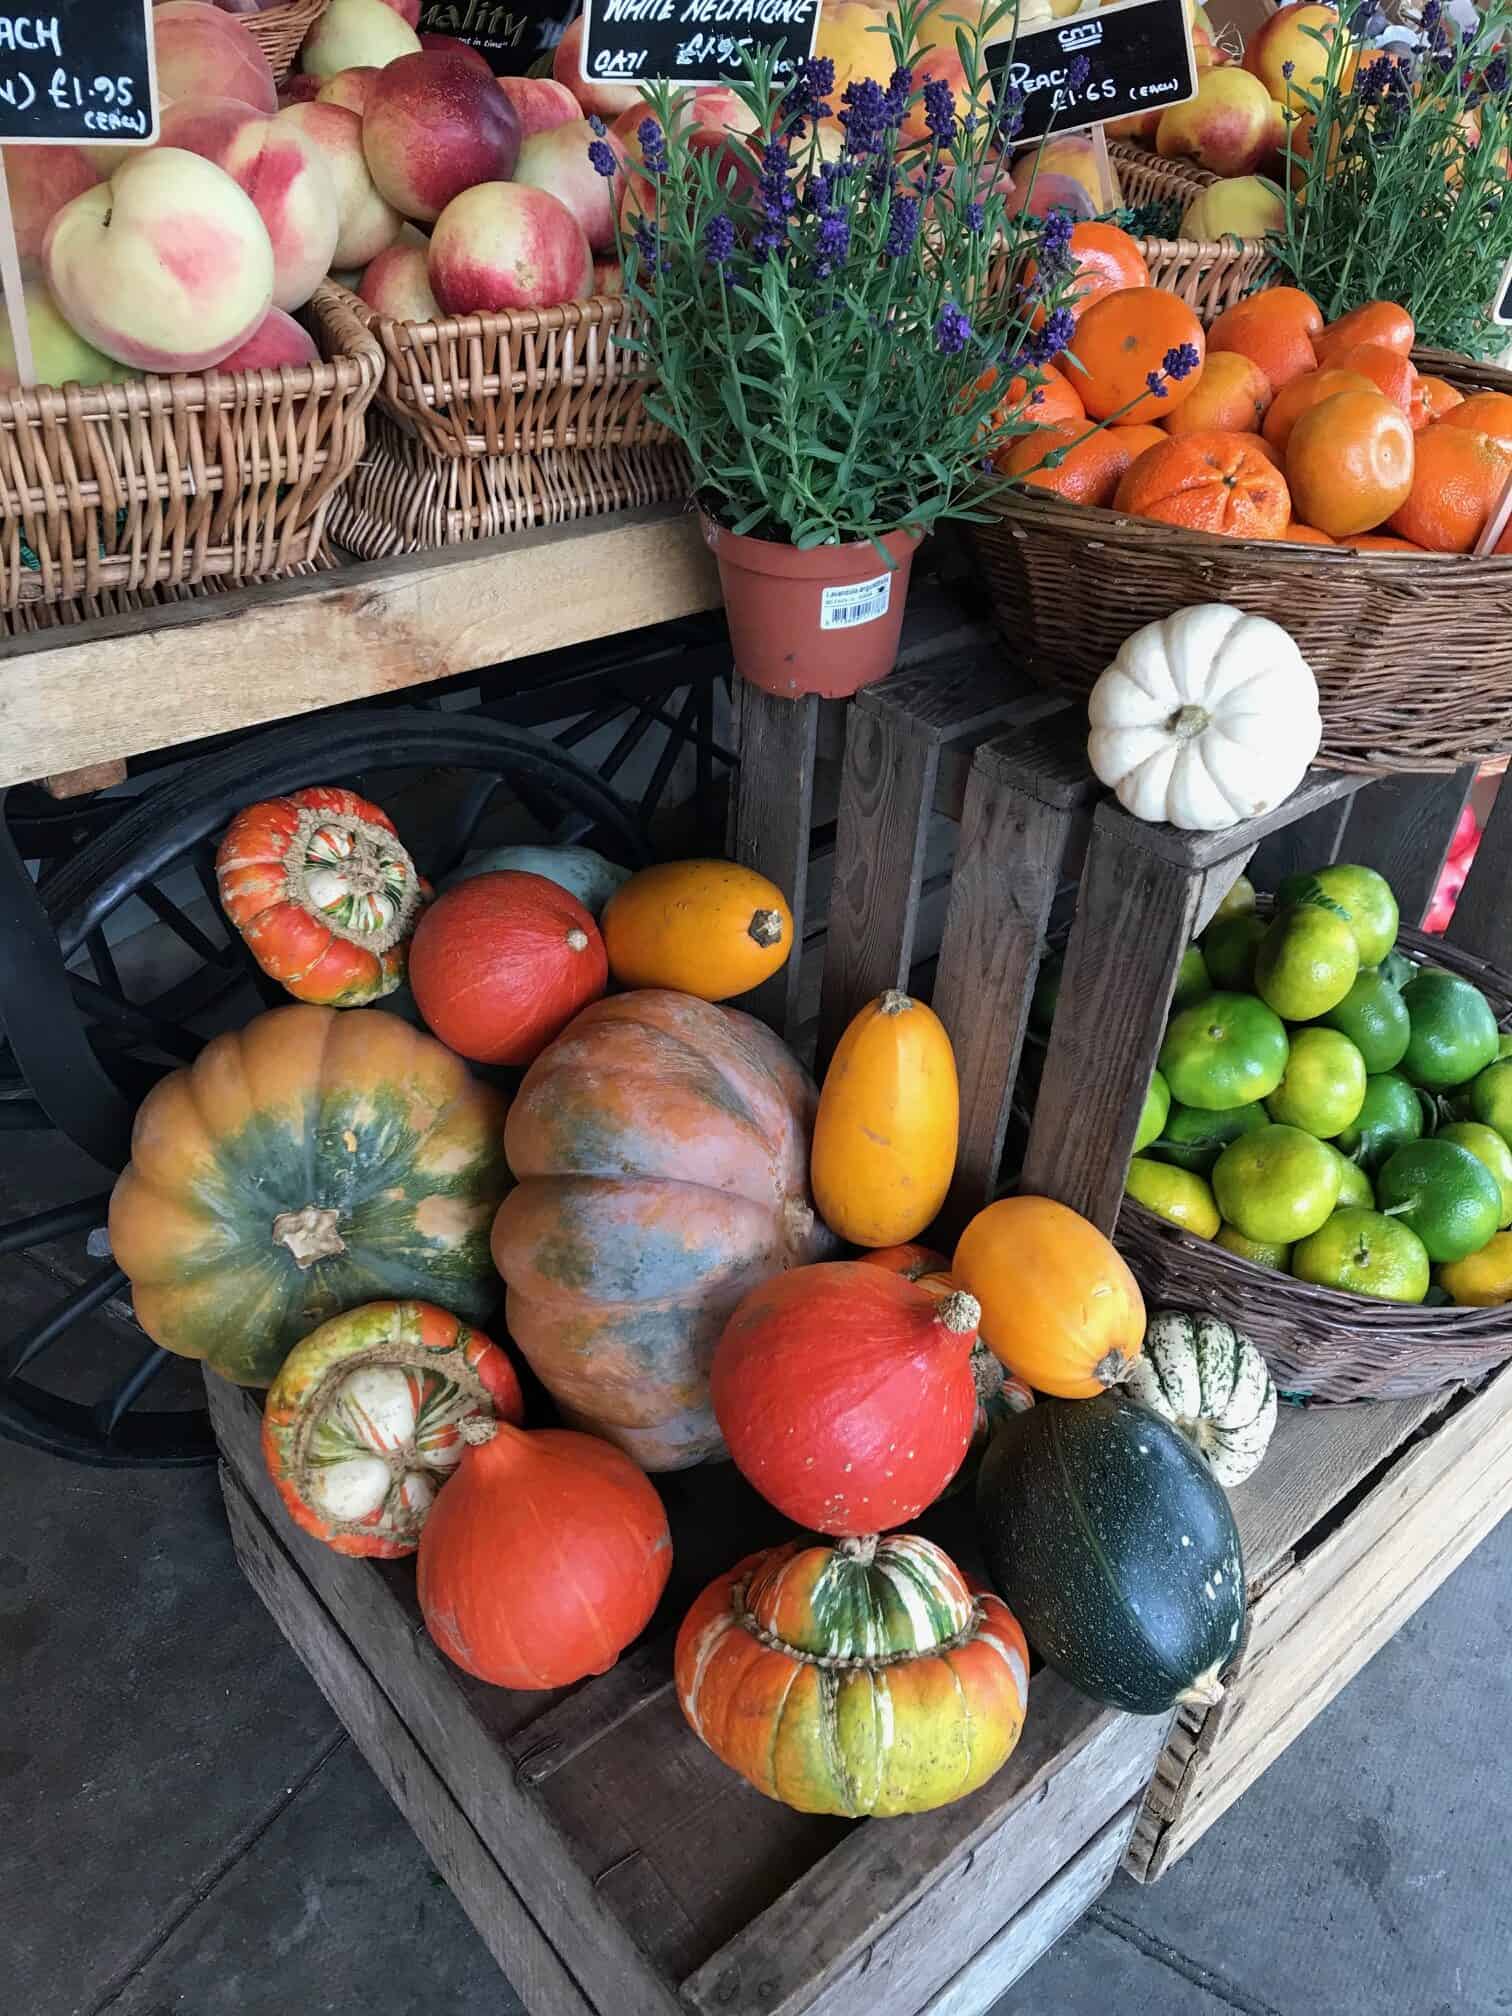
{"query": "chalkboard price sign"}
(1501, 307)
(79, 71)
(1138, 59)
(691, 41)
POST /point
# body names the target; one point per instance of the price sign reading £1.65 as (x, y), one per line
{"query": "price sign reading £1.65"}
(693, 41)
(78, 72)
(1138, 58)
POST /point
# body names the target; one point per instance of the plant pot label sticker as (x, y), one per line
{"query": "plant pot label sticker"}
(856, 602)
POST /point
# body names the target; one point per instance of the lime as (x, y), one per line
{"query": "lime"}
(1364, 1253)
(1324, 1086)
(1491, 1097)
(1239, 902)
(1391, 1116)
(1484, 1280)
(1178, 1195)
(1396, 969)
(1374, 1017)
(1157, 1105)
(1454, 1033)
(1487, 1146)
(1277, 1184)
(1192, 980)
(1263, 1252)
(1046, 992)
(1306, 963)
(1359, 895)
(1229, 947)
(1225, 1050)
(1355, 1192)
(1503, 1043)
(1451, 1200)
(1193, 1139)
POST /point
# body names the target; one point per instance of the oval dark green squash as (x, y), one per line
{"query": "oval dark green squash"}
(1107, 1537)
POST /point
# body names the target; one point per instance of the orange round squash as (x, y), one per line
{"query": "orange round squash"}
(889, 1114)
(543, 1558)
(1059, 1306)
(710, 928)
(845, 1394)
(504, 963)
(661, 1149)
(911, 1260)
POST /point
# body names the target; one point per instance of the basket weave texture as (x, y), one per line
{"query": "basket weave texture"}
(1208, 276)
(1318, 1341)
(281, 31)
(168, 482)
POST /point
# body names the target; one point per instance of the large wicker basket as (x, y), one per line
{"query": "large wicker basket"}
(1209, 276)
(1318, 1342)
(168, 482)
(280, 31)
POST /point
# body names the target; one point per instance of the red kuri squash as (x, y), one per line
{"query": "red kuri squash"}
(543, 1558)
(505, 962)
(845, 1394)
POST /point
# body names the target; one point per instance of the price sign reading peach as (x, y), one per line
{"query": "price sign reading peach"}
(1092, 67)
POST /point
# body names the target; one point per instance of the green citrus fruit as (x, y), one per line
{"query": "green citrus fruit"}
(1454, 1034)
(1239, 902)
(1263, 1252)
(1179, 1195)
(1491, 1097)
(1391, 1116)
(1359, 895)
(1225, 1050)
(1046, 993)
(1363, 1253)
(1277, 1184)
(1306, 963)
(1192, 980)
(1193, 1139)
(1504, 1046)
(1374, 1017)
(1355, 1192)
(1487, 1146)
(1451, 1200)
(1324, 1086)
(1396, 969)
(1229, 945)
(1153, 1119)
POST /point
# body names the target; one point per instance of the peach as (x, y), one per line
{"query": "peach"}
(607, 100)
(166, 267)
(1280, 39)
(1050, 191)
(1138, 126)
(433, 127)
(397, 283)
(297, 89)
(539, 102)
(1245, 205)
(501, 246)
(202, 53)
(284, 173)
(448, 45)
(1226, 128)
(854, 38)
(351, 88)
(407, 10)
(60, 356)
(277, 340)
(354, 33)
(558, 163)
(41, 180)
(1075, 156)
(364, 222)
(706, 116)
(608, 276)
(935, 66)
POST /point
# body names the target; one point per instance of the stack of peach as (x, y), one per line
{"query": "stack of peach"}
(1288, 429)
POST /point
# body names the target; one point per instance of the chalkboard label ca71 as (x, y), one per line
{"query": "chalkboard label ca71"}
(691, 41)
(1139, 59)
(79, 71)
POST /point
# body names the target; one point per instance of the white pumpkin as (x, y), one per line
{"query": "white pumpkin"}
(1205, 718)
(1210, 1382)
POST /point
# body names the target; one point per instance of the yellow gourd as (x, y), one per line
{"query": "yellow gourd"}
(709, 928)
(885, 1136)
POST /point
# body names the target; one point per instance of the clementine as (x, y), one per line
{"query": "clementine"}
(1297, 534)
(1432, 398)
(1484, 413)
(1379, 542)
(1093, 465)
(1123, 340)
(1388, 370)
(1212, 482)
(1103, 260)
(1053, 399)
(1274, 329)
(1349, 462)
(1293, 400)
(1374, 322)
(1459, 476)
(1263, 447)
(1231, 395)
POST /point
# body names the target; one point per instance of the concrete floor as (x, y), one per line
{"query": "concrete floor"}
(187, 1829)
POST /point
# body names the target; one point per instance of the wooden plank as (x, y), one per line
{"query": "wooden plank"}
(1204, 850)
(1482, 920)
(93, 692)
(1311, 842)
(536, 1972)
(771, 812)
(1014, 1950)
(1402, 827)
(93, 777)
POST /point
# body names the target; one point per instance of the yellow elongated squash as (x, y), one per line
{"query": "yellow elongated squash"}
(710, 928)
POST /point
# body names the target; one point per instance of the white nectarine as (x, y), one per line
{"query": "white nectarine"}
(397, 283)
(60, 356)
(349, 88)
(434, 126)
(502, 246)
(351, 33)
(364, 222)
(277, 340)
(41, 180)
(539, 102)
(607, 100)
(202, 53)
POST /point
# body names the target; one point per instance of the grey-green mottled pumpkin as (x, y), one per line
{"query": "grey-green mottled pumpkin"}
(580, 871)
(1208, 1380)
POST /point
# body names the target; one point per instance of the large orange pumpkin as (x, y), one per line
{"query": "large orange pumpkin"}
(661, 1147)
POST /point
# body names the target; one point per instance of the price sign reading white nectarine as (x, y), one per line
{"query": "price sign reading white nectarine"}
(691, 41)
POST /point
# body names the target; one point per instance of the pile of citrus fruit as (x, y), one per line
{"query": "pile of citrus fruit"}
(1326, 1106)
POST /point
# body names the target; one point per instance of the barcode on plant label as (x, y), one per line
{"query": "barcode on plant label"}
(857, 602)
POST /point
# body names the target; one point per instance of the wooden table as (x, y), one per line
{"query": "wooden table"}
(76, 701)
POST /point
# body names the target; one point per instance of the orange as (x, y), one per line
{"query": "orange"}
(1349, 463)
(1052, 400)
(1263, 447)
(1388, 370)
(1231, 396)
(1375, 322)
(1484, 413)
(1273, 329)
(1293, 400)
(1103, 260)
(1208, 483)
(1120, 340)
(1458, 478)
(1306, 535)
(1432, 399)
(1380, 542)
(1094, 465)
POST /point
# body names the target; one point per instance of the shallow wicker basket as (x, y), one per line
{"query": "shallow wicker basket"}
(281, 31)
(1208, 275)
(169, 482)
(1318, 1342)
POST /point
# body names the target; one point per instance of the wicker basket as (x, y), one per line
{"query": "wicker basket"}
(168, 482)
(1209, 276)
(1318, 1342)
(280, 32)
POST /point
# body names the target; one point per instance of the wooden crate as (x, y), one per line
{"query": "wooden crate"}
(615, 1868)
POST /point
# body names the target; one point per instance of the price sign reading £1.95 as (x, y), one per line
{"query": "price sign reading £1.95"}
(692, 41)
(1137, 58)
(79, 71)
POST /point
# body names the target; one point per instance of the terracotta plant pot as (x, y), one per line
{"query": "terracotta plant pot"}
(825, 619)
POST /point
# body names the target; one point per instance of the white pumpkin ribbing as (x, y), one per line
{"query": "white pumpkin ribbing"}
(1209, 1381)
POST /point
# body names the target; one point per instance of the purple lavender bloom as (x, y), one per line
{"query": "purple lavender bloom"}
(952, 331)
(1497, 75)
(597, 125)
(1157, 385)
(902, 227)
(601, 154)
(939, 110)
(897, 95)
(1288, 70)
(973, 218)
(865, 115)
(1182, 361)
(719, 241)
(811, 86)
(778, 200)
(1055, 242)
(1079, 72)
(645, 244)
(1010, 113)
(831, 244)
(1059, 329)
(653, 147)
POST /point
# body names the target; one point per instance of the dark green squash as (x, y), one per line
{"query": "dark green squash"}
(1108, 1538)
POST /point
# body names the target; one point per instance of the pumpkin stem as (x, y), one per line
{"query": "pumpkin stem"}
(476, 1429)
(310, 1234)
(1206, 1691)
(960, 1313)
(766, 927)
(893, 1002)
(1188, 721)
(577, 939)
(862, 1549)
(1112, 1369)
